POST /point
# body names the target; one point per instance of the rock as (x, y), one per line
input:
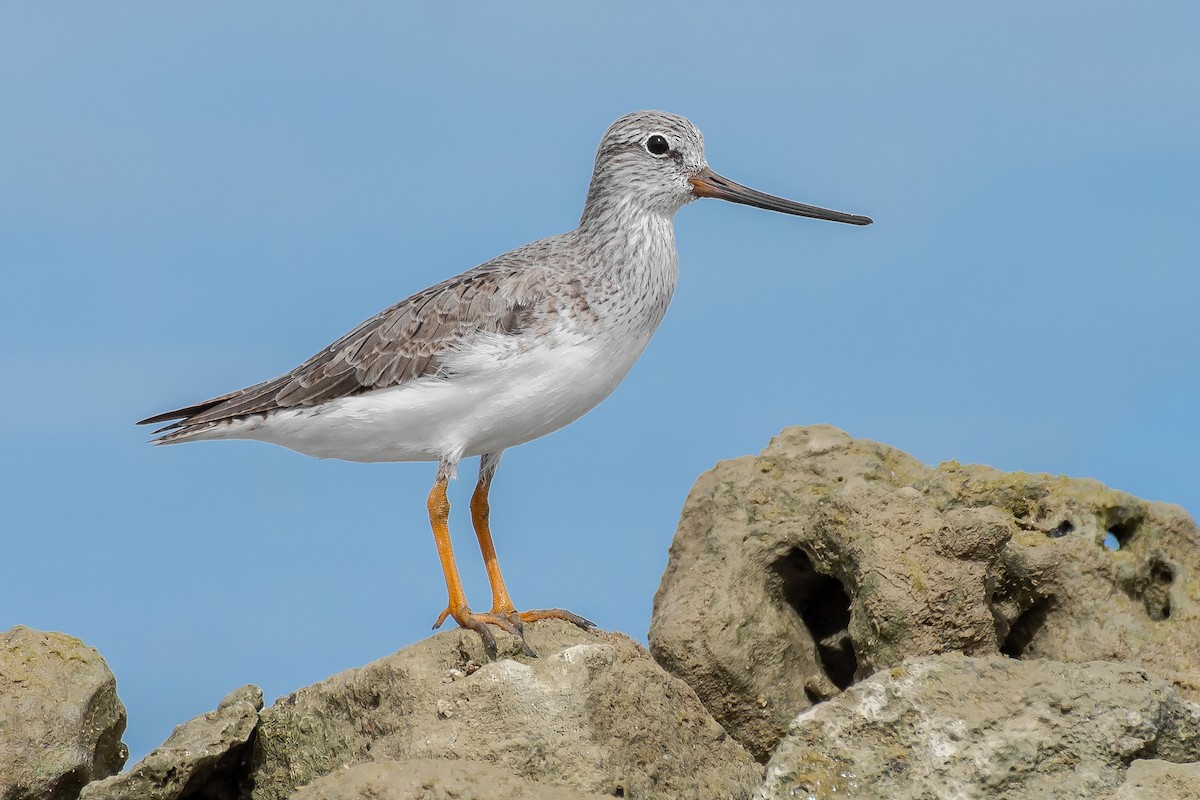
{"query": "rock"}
(60, 718)
(953, 726)
(594, 713)
(1151, 779)
(201, 757)
(433, 779)
(798, 572)
(1062, 594)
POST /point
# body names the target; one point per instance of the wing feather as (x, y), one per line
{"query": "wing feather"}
(398, 345)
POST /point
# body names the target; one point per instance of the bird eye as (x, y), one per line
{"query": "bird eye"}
(658, 145)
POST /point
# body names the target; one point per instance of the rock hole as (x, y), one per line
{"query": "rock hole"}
(70, 784)
(1157, 599)
(225, 779)
(1062, 529)
(1151, 586)
(619, 790)
(824, 608)
(1121, 533)
(1026, 627)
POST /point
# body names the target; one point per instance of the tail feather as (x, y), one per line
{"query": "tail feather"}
(183, 413)
(183, 432)
(181, 427)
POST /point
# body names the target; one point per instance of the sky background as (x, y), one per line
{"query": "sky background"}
(195, 198)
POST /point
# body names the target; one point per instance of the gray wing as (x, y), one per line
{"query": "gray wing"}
(397, 345)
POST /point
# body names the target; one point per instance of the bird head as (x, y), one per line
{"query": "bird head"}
(654, 161)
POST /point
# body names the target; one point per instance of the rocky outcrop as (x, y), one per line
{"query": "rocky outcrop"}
(799, 572)
(952, 726)
(594, 714)
(862, 625)
(60, 718)
(201, 757)
(433, 779)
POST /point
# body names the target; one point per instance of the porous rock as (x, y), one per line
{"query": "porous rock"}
(60, 718)
(798, 572)
(433, 779)
(986, 728)
(594, 713)
(1152, 779)
(202, 758)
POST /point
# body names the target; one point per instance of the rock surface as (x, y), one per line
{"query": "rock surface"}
(594, 713)
(433, 779)
(865, 626)
(200, 757)
(957, 727)
(60, 718)
(1152, 779)
(798, 572)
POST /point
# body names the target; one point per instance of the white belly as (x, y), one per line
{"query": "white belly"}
(499, 397)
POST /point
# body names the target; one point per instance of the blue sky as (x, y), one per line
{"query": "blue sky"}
(197, 198)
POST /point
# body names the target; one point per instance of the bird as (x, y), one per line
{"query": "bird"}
(504, 353)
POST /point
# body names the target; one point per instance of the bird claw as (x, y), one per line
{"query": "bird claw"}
(507, 622)
(510, 621)
(441, 618)
(480, 627)
(557, 613)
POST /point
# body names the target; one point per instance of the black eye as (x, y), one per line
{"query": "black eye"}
(658, 145)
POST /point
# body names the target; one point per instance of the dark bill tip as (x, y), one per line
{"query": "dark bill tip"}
(710, 184)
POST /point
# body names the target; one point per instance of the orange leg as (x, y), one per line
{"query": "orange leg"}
(502, 605)
(439, 516)
(480, 509)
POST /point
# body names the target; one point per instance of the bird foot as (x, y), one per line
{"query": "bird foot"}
(508, 620)
(556, 613)
(510, 623)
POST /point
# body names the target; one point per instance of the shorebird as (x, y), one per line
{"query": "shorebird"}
(504, 353)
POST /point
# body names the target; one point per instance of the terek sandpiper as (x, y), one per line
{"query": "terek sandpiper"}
(503, 353)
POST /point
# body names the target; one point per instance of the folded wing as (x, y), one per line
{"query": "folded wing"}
(400, 344)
